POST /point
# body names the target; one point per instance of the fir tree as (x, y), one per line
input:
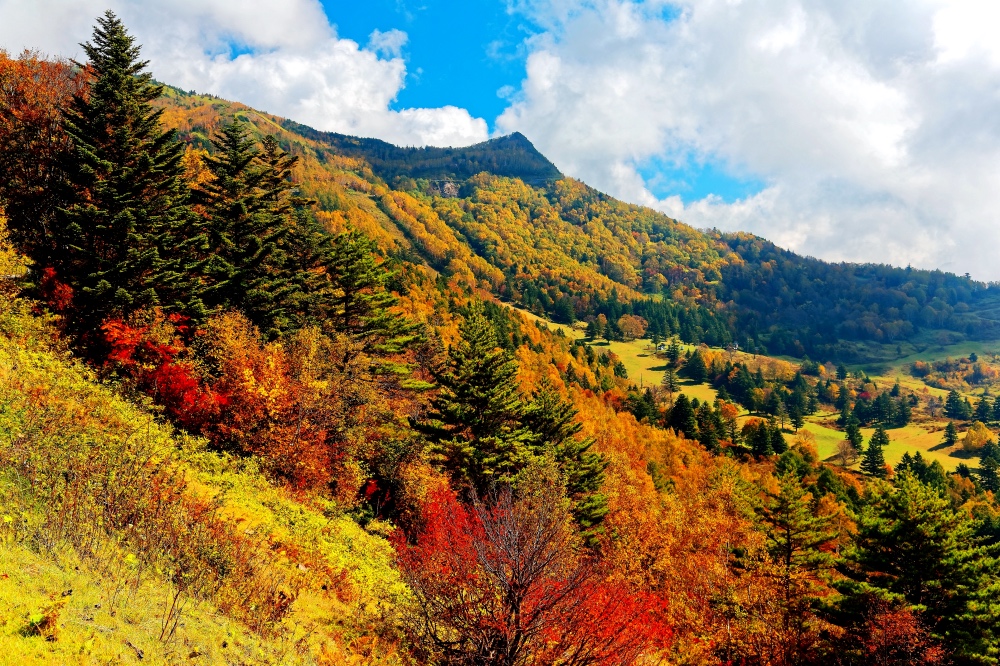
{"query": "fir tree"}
(553, 421)
(911, 545)
(476, 425)
(852, 432)
(873, 460)
(670, 384)
(246, 222)
(796, 418)
(682, 418)
(124, 241)
(797, 539)
(956, 408)
(695, 368)
(950, 434)
(673, 352)
(984, 410)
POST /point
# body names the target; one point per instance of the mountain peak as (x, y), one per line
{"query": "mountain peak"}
(512, 155)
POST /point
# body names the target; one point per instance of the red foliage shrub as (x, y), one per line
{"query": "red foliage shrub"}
(506, 584)
(148, 355)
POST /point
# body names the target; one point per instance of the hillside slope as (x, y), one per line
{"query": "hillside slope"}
(560, 248)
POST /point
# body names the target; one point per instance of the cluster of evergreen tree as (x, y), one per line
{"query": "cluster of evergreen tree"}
(485, 432)
(987, 410)
(127, 233)
(885, 410)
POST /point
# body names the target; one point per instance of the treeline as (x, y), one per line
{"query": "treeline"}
(800, 305)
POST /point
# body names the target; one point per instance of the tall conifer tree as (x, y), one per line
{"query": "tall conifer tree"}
(123, 238)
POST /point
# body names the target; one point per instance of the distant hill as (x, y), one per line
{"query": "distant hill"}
(512, 155)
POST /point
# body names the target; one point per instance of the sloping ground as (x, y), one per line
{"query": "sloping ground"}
(121, 541)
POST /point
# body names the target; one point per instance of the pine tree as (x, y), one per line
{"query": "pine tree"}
(682, 418)
(911, 545)
(553, 421)
(246, 221)
(125, 238)
(695, 368)
(984, 410)
(670, 384)
(476, 425)
(950, 434)
(797, 539)
(955, 408)
(674, 352)
(873, 460)
(361, 305)
(796, 418)
(852, 432)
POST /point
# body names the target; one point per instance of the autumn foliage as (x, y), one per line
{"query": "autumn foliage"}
(503, 582)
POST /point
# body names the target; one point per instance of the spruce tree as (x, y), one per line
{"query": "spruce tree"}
(873, 460)
(476, 425)
(682, 418)
(984, 410)
(125, 237)
(950, 434)
(695, 368)
(553, 422)
(912, 546)
(246, 221)
(797, 539)
(671, 384)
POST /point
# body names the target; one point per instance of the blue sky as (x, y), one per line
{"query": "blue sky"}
(458, 53)
(465, 53)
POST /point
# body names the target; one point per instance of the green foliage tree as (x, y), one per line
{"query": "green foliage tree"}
(553, 421)
(950, 434)
(246, 206)
(694, 367)
(476, 424)
(682, 418)
(912, 547)
(984, 410)
(798, 541)
(671, 384)
(956, 408)
(125, 236)
(673, 351)
(873, 460)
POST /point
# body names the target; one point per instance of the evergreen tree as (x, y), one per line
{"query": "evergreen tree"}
(873, 460)
(671, 384)
(797, 539)
(989, 474)
(996, 410)
(902, 413)
(796, 419)
(695, 368)
(852, 432)
(682, 418)
(778, 443)
(984, 410)
(841, 372)
(476, 425)
(246, 207)
(956, 408)
(950, 434)
(123, 242)
(673, 351)
(361, 305)
(553, 421)
(912, 546)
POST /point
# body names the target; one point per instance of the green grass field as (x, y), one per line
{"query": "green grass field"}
(645, 369)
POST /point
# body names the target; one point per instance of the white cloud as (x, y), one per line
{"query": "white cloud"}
(875, 125)
(282, 56)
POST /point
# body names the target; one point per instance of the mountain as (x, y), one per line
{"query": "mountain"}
(512, 155)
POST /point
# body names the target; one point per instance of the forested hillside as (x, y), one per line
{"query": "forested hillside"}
(265, 398)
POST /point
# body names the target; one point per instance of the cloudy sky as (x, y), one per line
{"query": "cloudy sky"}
(847, 130)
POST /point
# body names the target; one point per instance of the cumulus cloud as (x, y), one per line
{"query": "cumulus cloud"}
(875, 126)
(282, 56)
